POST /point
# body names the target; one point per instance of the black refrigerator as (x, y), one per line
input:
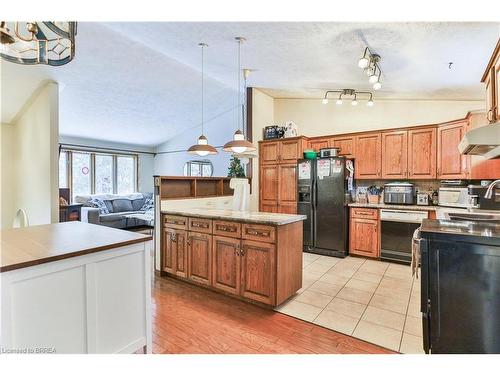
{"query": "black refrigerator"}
(323, 186)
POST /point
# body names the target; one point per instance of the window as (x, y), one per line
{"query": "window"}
(86, 172)
(104, 174)
(80, 173)
(63, 169)
(125, 174)
(198, 168)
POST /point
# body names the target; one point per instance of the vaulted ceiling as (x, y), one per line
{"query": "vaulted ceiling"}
(140, 82)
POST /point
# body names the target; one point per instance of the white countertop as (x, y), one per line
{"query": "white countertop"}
(247, 216)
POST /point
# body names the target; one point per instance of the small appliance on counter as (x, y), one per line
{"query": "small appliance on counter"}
(290, 129)
(422, 199)
(274, 132)
(454, 196)
(328, 152)
(477, 197)
(399, 193)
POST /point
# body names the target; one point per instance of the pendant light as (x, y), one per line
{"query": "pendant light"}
(239, 144)
(202, 148)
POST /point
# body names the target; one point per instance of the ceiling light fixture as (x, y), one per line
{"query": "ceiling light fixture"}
(239, 144)
(49, 43)
(370, 65)
(351, 93)
(202, 148)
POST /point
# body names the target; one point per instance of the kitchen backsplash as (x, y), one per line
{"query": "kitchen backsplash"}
(427, 186)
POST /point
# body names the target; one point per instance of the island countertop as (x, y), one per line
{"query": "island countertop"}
(247, 216)
(30, 246)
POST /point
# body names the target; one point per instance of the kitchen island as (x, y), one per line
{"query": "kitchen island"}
(75, 287)
(255, 256)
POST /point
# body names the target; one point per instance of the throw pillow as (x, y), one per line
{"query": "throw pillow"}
(99, 203)
(148, 205)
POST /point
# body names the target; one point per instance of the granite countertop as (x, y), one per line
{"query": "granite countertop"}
(466, 228)
(395, 206)
(247, 216)
(30, 246)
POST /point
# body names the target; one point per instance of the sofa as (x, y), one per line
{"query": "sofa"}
(118, 211)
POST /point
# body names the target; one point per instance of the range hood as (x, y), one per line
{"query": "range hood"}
(484, 141)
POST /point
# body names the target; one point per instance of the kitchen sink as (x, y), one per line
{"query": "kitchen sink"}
(474, 216)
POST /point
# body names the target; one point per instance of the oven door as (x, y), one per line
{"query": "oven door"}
(397, 228)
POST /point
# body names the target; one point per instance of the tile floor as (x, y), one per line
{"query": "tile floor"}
(372, 300)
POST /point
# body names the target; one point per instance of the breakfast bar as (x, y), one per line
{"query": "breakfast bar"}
(254, 256)
(75, 287)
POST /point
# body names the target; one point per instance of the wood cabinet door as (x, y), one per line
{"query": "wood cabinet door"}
(200, 258)
(394, 155)
(290, 151)
(226, 264)
(345, 145)
(287, 177)
(269, 206)
(367, 164)
(258, 271)
(269, 187)
(422, 154)
(317, 145)
(168, 249)
(180, 253)
(496, 95)
(269, 152)
(491, 96)
(364, 237)
(450, 163)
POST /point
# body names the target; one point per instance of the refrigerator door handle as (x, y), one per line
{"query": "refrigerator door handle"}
(424, 293)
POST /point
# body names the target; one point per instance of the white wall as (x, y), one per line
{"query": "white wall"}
(262, 116)
(31, 182)
(314, 118)
(145, 161)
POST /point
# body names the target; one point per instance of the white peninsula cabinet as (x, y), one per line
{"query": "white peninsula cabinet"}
(75, 288)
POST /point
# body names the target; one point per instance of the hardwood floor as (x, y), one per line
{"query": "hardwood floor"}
(192, 320)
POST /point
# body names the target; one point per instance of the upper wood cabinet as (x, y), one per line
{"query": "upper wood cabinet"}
(491, 79)
(422, 154)
(268, 152)
(345, 145)
(284, 150)
(394, 155)
(450, 163)
(368, 156)
(318, 144)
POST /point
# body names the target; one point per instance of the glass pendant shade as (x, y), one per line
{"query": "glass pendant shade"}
(377, 86)
(373, 78)
(202, 148)
(363, 62)
(239, 144)
(324, 101)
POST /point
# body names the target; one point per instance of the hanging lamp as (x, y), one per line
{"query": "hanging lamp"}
(239, 144)
(202, 148)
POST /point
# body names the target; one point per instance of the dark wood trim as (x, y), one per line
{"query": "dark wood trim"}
(496, 51)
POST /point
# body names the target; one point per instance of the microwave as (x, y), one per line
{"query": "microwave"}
(454, 197)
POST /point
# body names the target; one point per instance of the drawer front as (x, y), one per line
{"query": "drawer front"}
(364, 213)
(227, 228)
(177, 222)
(258, 232)
(200, 225)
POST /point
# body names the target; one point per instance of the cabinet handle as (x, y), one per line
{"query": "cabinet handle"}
(488, 117)
(237, 251)
(242, 251)
(226, 229)
(189, 241)
(198, 225)
(258, 233)
(173, 237)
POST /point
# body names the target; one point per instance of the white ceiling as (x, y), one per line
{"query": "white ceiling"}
(139, 82)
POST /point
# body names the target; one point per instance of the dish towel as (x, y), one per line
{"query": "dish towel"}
(415, 253)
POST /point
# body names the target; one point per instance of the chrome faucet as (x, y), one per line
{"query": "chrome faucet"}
(489, 191)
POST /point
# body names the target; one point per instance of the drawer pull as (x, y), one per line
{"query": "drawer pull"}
(257, 233)
(175, 222)
(226, 229)
(198, 225)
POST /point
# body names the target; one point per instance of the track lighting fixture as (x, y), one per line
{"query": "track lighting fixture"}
(369, 62)
(351, 93)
